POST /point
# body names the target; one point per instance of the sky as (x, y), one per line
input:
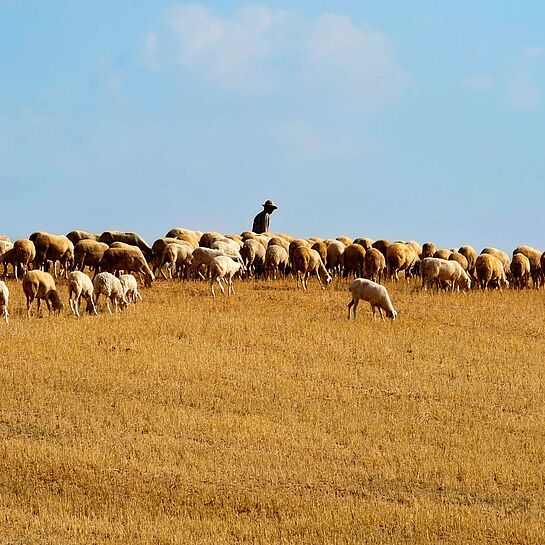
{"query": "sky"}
(386, 119)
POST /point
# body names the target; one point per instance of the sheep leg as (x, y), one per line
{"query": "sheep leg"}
(6, 314)
(212, 287)
(108, 305)
(230, 290)
(221, 286)
(374, 309)
(29, 300)
(381, 313)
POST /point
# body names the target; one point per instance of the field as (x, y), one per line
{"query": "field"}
(269, 418)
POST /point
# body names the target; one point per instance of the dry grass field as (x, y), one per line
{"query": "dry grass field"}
(269, 418)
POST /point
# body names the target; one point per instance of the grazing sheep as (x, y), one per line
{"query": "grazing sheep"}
(127, 259)
(460, 258)
(279, 241)
(133, 239)
(294, 244)
(88, 253)
(345, 240)
(521, 269)
(534, 257)
(253, 256)
(76, 236)
(53, 248)
(207, 238)
(381, 245)
(367, 243)
(130, 288)
(335, 250)
(276, 261)
(108, 285)
(502, 256)
(352, 260)
(80, 285)
(223, 267)
(24, 253)
(400, 257)
(490, 272)
(442, 253)
(415, 246)
(471, 255)
(4, 300)
(307, 262)
(177, 256)
(202, 258)
(321, 247)
(428, 249)
(229, 247)
(375, 294)
(374, 265)
(7, 259)
(434, 270)
(158, 249)
(41, 285)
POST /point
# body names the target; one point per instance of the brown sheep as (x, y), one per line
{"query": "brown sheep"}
(381, 245)
(294, 244)
(307, 262)
(400, 257)
(345, 240)
(321, 248)
(461, 259)
(75, 236)
(352, 260)
(442, 253)
(490, 272)
(276, 261)
(7, 259)
(534, 257)
(88, 253)
(471, 255)
(253, 256)
(128, 260)
(133, 239)
(207, 239)
(428, 249)
(41, 285)
(520, 269)
(335, 250)
(279, 241)
(502, 256)
(374, 265)
(367, 243)
(54, 248)
(24, 253)
(158, 249)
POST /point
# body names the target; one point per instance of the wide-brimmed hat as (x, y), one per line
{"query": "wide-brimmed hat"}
(269, 204)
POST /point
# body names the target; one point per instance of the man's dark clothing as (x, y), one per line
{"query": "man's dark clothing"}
(261, 222)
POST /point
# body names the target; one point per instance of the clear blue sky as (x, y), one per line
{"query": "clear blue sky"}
(416, 120)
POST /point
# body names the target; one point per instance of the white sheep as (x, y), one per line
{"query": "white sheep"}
(80, 285)
(4, 300)
(130, 288)
(375, 294)
(202, 258)
(435, 270)
(223, 268)
(109, 285)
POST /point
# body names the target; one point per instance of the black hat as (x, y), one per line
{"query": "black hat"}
(269, 204)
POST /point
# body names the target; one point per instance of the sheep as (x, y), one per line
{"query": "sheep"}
(253, 256)
(7, 259)
(110, 286)
(207, 238)
(502, 256)
(279, 241)
(5, 245)
(294, 244)
(335, 250)
(415, 246)
(345, 240)
(127, 259)
(4, 301)
(24, 253)
(375, 294)
(352, 260)
(177, 256)
(367, 243)
(460, 258)
(400, 257)
(534, 257)
(306, 262)
(437, 270)
(229, 247)
(223, 267)
(521, 269)
(442, 253)
(134, 239)
(53, 248)
(471, 255)
(76, 236)
(130, 288)
(80, 285)
(201, 259)
(158, 249)
(276, 261)
(381, 245)
(489, 270)
(88, 253)
(374, 265)
(428, 249)
(41, 285)
(321, 248)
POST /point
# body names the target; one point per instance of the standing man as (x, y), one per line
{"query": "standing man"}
(262, 220)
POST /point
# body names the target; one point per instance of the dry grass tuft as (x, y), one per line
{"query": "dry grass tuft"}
(269, 418)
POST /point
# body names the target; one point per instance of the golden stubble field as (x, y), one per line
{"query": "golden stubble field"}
(269, 418)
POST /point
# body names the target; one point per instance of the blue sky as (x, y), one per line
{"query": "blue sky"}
(415, 120)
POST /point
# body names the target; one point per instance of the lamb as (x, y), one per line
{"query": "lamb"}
(4, 300)
(41, 285)
(222, 267)
(521, 269)
(276, 261)
(306, 262)
(352, 260)
(108, 285)
(80, 285)
(489, 270)
(375, 294)
(335, 250)
(130, 288)
(24, 253)
(437, 270)
(127, 259)
(177, 256)
(374, 265)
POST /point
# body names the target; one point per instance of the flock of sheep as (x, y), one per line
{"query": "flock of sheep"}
(113, 256)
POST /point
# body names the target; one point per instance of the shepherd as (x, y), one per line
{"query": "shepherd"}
(262, 220)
